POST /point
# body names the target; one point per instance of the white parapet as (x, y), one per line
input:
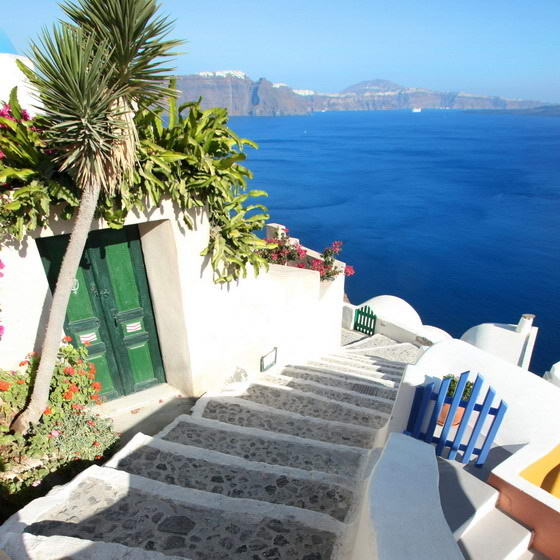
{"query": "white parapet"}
(513, 343)
(401, 516)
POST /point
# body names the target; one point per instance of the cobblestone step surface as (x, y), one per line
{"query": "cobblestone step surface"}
(332, 379)
(355, 375)
(406, 352)
(245, 413)
(36, 547)
(318, 407)
(218, 473)
(265, 447)
(371, 363)
(380, 373)
(338, 394)
(152, 516)
(371, 341)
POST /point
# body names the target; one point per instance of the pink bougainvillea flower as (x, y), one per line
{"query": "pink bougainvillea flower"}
(36, 483)
(55, 433)
(349, 270)
(2, 154)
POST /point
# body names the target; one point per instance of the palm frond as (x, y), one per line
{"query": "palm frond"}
(138, 37)
(80, 105)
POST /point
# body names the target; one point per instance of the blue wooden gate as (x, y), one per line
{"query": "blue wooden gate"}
(423, 397)
(364, 320)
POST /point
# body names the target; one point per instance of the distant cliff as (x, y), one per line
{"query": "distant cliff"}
(243, 96)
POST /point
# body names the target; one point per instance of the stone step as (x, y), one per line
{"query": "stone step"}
(495, 536)
(465, 499)
(348, 336)
(307, 405)
(405, 353)
(35, 547)
(394, 369)
(248, 414)
(338, 394)
(192, 467)
(375, 340)
(108, 505)
(320, 373)
(265, 447)
(373, 369)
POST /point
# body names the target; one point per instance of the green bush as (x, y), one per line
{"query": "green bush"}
(467, 392)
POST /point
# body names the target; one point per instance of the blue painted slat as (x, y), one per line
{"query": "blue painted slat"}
(424, 402)
(466, 416)
(491, 434)
(483, 414)
(452, 409)
(440, 398)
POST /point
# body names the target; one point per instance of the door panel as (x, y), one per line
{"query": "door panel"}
(110, 307)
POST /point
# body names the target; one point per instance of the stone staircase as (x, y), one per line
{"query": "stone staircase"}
(269, 470)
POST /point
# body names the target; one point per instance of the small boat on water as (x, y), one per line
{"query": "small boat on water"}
(416, 109)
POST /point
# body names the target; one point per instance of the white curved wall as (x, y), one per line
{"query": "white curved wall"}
(394, 310)
(11, 76)
(504, 341)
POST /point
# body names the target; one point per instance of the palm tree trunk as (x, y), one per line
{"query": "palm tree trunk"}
(55, 324)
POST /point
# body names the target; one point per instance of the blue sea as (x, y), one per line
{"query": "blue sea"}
(458, 213)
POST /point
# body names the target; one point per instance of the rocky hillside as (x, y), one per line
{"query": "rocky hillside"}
(242, 96)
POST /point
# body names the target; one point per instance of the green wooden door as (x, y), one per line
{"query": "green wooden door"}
(110, 307)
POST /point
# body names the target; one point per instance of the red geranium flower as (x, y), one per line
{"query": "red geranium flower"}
(90, 423)
(69, 395)
(20, 381)
(96, 444)
(69, 370)
(67, 339)
(4, 385)
(24, 363)
(74, 388)
(96, 385)
(47, 411)
(87, 343)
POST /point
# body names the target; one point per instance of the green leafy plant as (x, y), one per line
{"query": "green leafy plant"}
(193, 159)
(467, 392)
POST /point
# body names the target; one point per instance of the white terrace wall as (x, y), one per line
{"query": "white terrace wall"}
(208, 333)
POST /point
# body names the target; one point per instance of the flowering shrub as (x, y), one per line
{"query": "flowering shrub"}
(68, 431)
(282, 250)
(1, 325)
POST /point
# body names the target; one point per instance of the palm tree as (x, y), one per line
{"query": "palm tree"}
(91, 75)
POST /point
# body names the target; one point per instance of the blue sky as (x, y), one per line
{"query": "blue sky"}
(494, 47)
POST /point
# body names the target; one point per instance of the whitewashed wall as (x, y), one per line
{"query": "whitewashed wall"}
(208, 333)
(11, 76)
